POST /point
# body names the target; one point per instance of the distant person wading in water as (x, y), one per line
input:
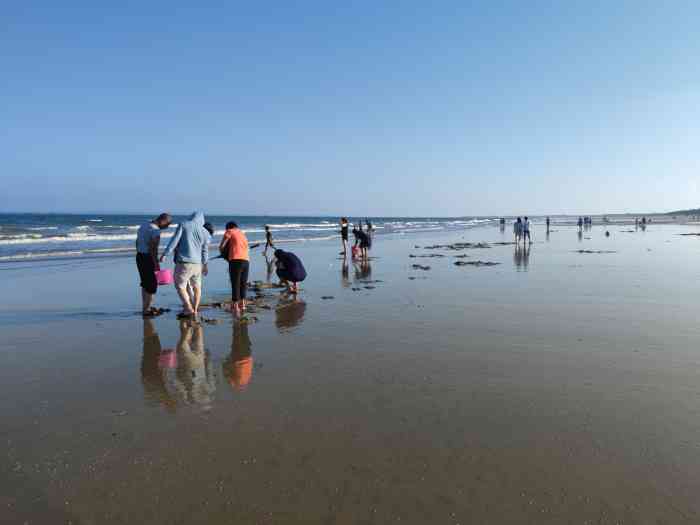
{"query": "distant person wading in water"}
(518, 229)
(526, 230)
(268, 240)
(344, 235)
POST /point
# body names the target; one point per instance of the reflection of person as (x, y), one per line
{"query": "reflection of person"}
(238, 367)
(153, 378)
(270, 267)
(363, 270)
(147, 241)
(191, 242)
(194, 377)
(289, 314)
(345, 274)
(290, 270)
(521, 256)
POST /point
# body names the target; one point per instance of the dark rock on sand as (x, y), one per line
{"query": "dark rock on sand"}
(476, 263)
(431, 255)
(326, 297)
(370, 287)
(594, 251)
(461, 256)
(420, 267)
(458, 246)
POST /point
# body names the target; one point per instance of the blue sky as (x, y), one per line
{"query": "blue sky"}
(362, 108)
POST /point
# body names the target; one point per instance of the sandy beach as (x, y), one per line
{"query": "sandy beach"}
(560, 385)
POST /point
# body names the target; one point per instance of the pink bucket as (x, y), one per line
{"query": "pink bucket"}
(164, 276)
(167, 359)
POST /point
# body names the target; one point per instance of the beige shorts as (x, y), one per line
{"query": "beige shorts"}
(188, 273)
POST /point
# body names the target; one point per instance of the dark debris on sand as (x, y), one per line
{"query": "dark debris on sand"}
(594, 251)
(413, 256)
(476, 263)
(458, 246)
(420, 267)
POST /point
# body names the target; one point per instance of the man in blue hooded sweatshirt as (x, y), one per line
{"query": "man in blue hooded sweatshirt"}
(191, 246)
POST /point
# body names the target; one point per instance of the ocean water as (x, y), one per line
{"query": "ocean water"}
(37, 236)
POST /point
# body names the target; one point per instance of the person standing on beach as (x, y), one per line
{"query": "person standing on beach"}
(518, 229)
(236, 243)
(580, 223)
(526, 230)
(548, 224)
(268, 240)
(356, 233)
(344, 235)
(191, 242)
(365, 243)
(147, 241)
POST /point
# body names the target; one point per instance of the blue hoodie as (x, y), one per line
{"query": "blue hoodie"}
(191, 241)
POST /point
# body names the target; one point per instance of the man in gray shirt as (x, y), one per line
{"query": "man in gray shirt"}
(147, 241)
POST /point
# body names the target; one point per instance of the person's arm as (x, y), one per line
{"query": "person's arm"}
(153, 250)
(173, 242)
(224, 242)
(205, 254)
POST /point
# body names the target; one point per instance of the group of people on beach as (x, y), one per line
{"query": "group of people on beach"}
(190, 247)
(363, 239)
(521, 230)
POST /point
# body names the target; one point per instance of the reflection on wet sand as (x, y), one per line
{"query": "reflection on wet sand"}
(194, 378)
(289, 314)
(238, 367)
(153, 374)
(363, 270)
(345, 273)
(521, 257)
(269, 267)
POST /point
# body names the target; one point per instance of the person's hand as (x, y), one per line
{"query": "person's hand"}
(162, 258)
(205, 270)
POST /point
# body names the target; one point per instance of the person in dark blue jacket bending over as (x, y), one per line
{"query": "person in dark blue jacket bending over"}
(290, 270)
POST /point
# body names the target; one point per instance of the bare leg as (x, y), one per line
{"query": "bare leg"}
(191, 293)
(146, 300)
(185, 298)
(197, 290)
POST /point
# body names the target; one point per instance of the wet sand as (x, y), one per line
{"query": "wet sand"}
(555, 387)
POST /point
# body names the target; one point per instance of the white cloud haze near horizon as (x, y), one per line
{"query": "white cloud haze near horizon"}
(412, 110)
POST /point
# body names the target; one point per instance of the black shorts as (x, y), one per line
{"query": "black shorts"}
(147, 272)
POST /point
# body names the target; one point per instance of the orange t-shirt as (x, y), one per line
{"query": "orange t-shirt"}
(237, 245)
